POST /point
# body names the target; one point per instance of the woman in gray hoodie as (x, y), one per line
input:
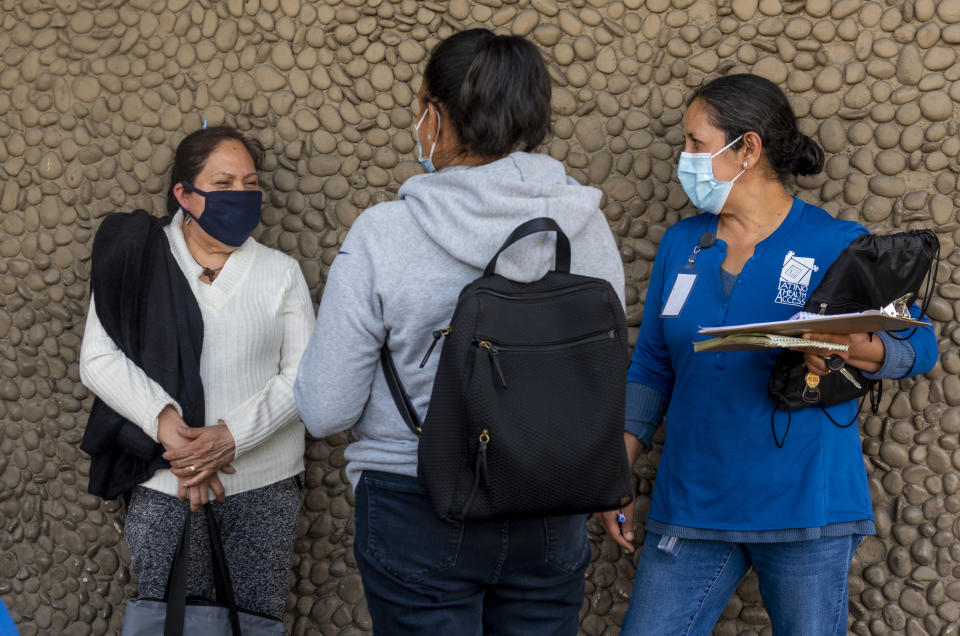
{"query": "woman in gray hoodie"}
(484, 106)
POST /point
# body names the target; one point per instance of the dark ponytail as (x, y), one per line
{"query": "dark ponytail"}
(739, 104)
(192, 154)
(494, 88)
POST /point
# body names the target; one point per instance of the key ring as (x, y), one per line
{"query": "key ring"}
(834, 362)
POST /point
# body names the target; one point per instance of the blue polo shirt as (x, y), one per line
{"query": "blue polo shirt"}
(721, 469)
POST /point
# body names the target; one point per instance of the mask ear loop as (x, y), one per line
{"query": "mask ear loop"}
(734, 180)
(433, 144)
(717, 153)
(726, 147)
(189, 187)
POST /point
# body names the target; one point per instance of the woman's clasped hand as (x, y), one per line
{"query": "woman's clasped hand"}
(196, 456)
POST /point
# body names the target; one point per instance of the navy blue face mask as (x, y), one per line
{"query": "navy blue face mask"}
(229, 216)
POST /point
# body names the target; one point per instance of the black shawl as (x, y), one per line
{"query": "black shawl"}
(147, 307)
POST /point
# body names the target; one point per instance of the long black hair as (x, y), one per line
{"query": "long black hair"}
(494, 88)
(738, 104)
(195, 149)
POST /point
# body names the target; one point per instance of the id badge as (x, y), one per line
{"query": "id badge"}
(682, 286)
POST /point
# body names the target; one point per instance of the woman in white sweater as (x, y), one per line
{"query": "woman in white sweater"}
(244, 443)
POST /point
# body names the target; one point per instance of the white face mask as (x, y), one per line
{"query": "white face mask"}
(695, 172)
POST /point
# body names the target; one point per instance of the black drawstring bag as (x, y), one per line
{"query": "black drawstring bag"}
(870, 273)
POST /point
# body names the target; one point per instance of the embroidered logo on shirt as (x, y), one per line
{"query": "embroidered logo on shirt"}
(795, 279)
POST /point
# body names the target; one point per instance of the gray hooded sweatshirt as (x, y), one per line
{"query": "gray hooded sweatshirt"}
(399, 272)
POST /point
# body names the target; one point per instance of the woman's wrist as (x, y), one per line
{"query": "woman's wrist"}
(634, 447)
(168, 421)
(867, 352)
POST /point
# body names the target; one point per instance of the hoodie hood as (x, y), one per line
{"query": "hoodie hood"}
(470, 211)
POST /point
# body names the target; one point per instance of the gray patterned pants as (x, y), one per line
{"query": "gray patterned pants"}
(258, 528)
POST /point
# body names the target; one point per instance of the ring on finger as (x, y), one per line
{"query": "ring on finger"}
(193, 468)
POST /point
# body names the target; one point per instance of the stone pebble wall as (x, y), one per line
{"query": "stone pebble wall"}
(95, 95)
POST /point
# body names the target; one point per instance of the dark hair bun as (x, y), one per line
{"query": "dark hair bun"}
(807, 157)
(495, 89)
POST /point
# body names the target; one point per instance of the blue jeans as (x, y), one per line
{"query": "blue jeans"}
(683, 585)
(422, 575)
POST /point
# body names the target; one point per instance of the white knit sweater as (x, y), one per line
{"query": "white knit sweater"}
(257, 318)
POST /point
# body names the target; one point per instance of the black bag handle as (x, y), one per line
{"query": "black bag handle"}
(539, 224)
(399, 393)
(221, 572)
(176, 594)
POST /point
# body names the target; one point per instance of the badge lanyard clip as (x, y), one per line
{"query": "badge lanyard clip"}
(683, 284)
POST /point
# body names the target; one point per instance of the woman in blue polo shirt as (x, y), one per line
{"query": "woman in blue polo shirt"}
(726, 496)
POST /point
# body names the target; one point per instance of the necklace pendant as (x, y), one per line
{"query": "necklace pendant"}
(210, 273)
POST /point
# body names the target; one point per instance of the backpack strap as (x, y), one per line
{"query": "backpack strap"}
(400, 397)
(539, 224)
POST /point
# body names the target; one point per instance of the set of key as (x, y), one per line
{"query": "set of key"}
(811, 393)
(836, 363)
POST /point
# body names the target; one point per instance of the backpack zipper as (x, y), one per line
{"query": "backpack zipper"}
(479, 470)
(546, 294)
(494, 353)
(437, 334)
(493, 350)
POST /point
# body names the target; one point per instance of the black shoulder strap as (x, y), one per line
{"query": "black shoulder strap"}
(176, 593)
(400, 397)
(539, 224)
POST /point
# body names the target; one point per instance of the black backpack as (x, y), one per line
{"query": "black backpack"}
(870, 273)
(527, 410)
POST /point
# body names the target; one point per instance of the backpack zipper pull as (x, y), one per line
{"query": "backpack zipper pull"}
(482, 456)
(437, 334)
(479, 471)
(494, 360)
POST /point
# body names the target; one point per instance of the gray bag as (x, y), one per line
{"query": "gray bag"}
(176, 615)
(146, 618)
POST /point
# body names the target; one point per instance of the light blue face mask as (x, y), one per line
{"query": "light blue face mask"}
(426, 162)
(706, 192)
